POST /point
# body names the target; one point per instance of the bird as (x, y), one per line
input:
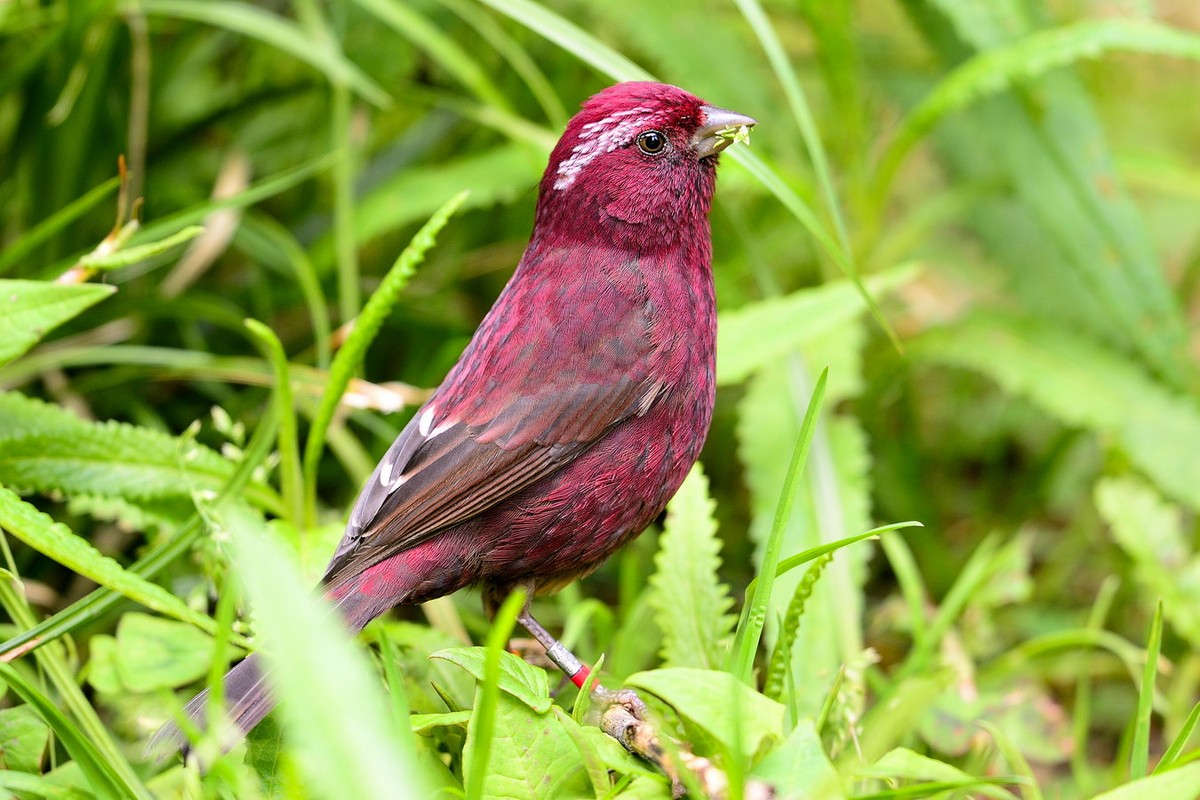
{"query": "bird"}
(578, 406)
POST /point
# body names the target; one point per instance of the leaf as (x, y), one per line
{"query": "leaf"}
(1085, 386)
(278, 32)
(531, 755)
(23, 739)
(523, 681)
(330, 704)
(424, 723)
(154, 653)
(1030, 717)
(31, 309)
(45, 448)
(350, 357)
(1150, 531)
(718, 704)
(1070, 229)
(692, 604)
(102, 664)
(902, 763)
(58, 542)
(755, 608)
(123, 257)
(764, 332)
(1181, 783)
(102, 776)
(38, 786)
(799, 768)
(997, 69)
(500, 175)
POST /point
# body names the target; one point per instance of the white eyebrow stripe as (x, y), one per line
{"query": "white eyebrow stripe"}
(600, 137)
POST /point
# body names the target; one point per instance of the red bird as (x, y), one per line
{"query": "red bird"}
(582, 400)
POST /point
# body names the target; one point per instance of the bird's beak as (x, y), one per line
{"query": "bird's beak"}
(721, 128)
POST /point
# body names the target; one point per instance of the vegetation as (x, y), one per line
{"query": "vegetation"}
(981, 217)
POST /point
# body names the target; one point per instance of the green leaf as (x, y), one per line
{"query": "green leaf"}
(31, 309)
(799, 767)
(102, 665)
(1150, 531)
(23, 739)
(276, 31)
(531, 754)
(692, 604)
(903, 763)
(424, 723)
(500, 175)
(762, 333)
(58, 542)
(329, 702)
(101, 775)
(45, 448)
(126, 256)
(1082, 385)
(718, 704)
(154, 653)
(997, 69)
(1181, 783)
(754, 610)
(350, 357)
(523, 681)
(38, 786)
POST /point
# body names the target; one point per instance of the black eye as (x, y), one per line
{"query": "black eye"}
(652, 142)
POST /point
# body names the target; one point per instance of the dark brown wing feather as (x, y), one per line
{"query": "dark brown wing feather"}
(534, 388)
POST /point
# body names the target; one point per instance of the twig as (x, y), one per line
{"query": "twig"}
(639, 737)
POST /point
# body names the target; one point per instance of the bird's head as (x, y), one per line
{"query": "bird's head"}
(637, 163)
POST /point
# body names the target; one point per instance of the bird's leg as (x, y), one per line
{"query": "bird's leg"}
(556, 651)
(577, 671)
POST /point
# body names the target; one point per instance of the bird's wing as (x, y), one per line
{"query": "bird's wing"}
(537, 385)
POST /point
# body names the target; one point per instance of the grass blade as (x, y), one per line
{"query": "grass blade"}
(754, 612)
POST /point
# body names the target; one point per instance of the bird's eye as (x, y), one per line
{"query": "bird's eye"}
(652, 142)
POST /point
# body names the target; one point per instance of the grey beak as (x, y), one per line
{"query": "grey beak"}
(721, 128)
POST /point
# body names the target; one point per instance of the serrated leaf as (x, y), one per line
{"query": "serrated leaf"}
(691, 603)
(31, 309)
(718, 704)
(523, 681)
(1082, 385)
(156, 653)
(1150, 530)
(45, 448)
(531, 755)
(764, 332)
(58, 542)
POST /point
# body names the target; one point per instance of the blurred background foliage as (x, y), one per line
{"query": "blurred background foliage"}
(1014, 183)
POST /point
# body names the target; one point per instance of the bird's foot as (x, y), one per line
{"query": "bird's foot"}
(607, 700)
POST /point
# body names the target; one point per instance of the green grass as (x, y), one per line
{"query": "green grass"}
(959, 265)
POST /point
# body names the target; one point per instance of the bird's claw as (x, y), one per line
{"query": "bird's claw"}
(605, 699)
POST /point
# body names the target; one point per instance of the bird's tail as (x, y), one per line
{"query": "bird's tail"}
(246, 692)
